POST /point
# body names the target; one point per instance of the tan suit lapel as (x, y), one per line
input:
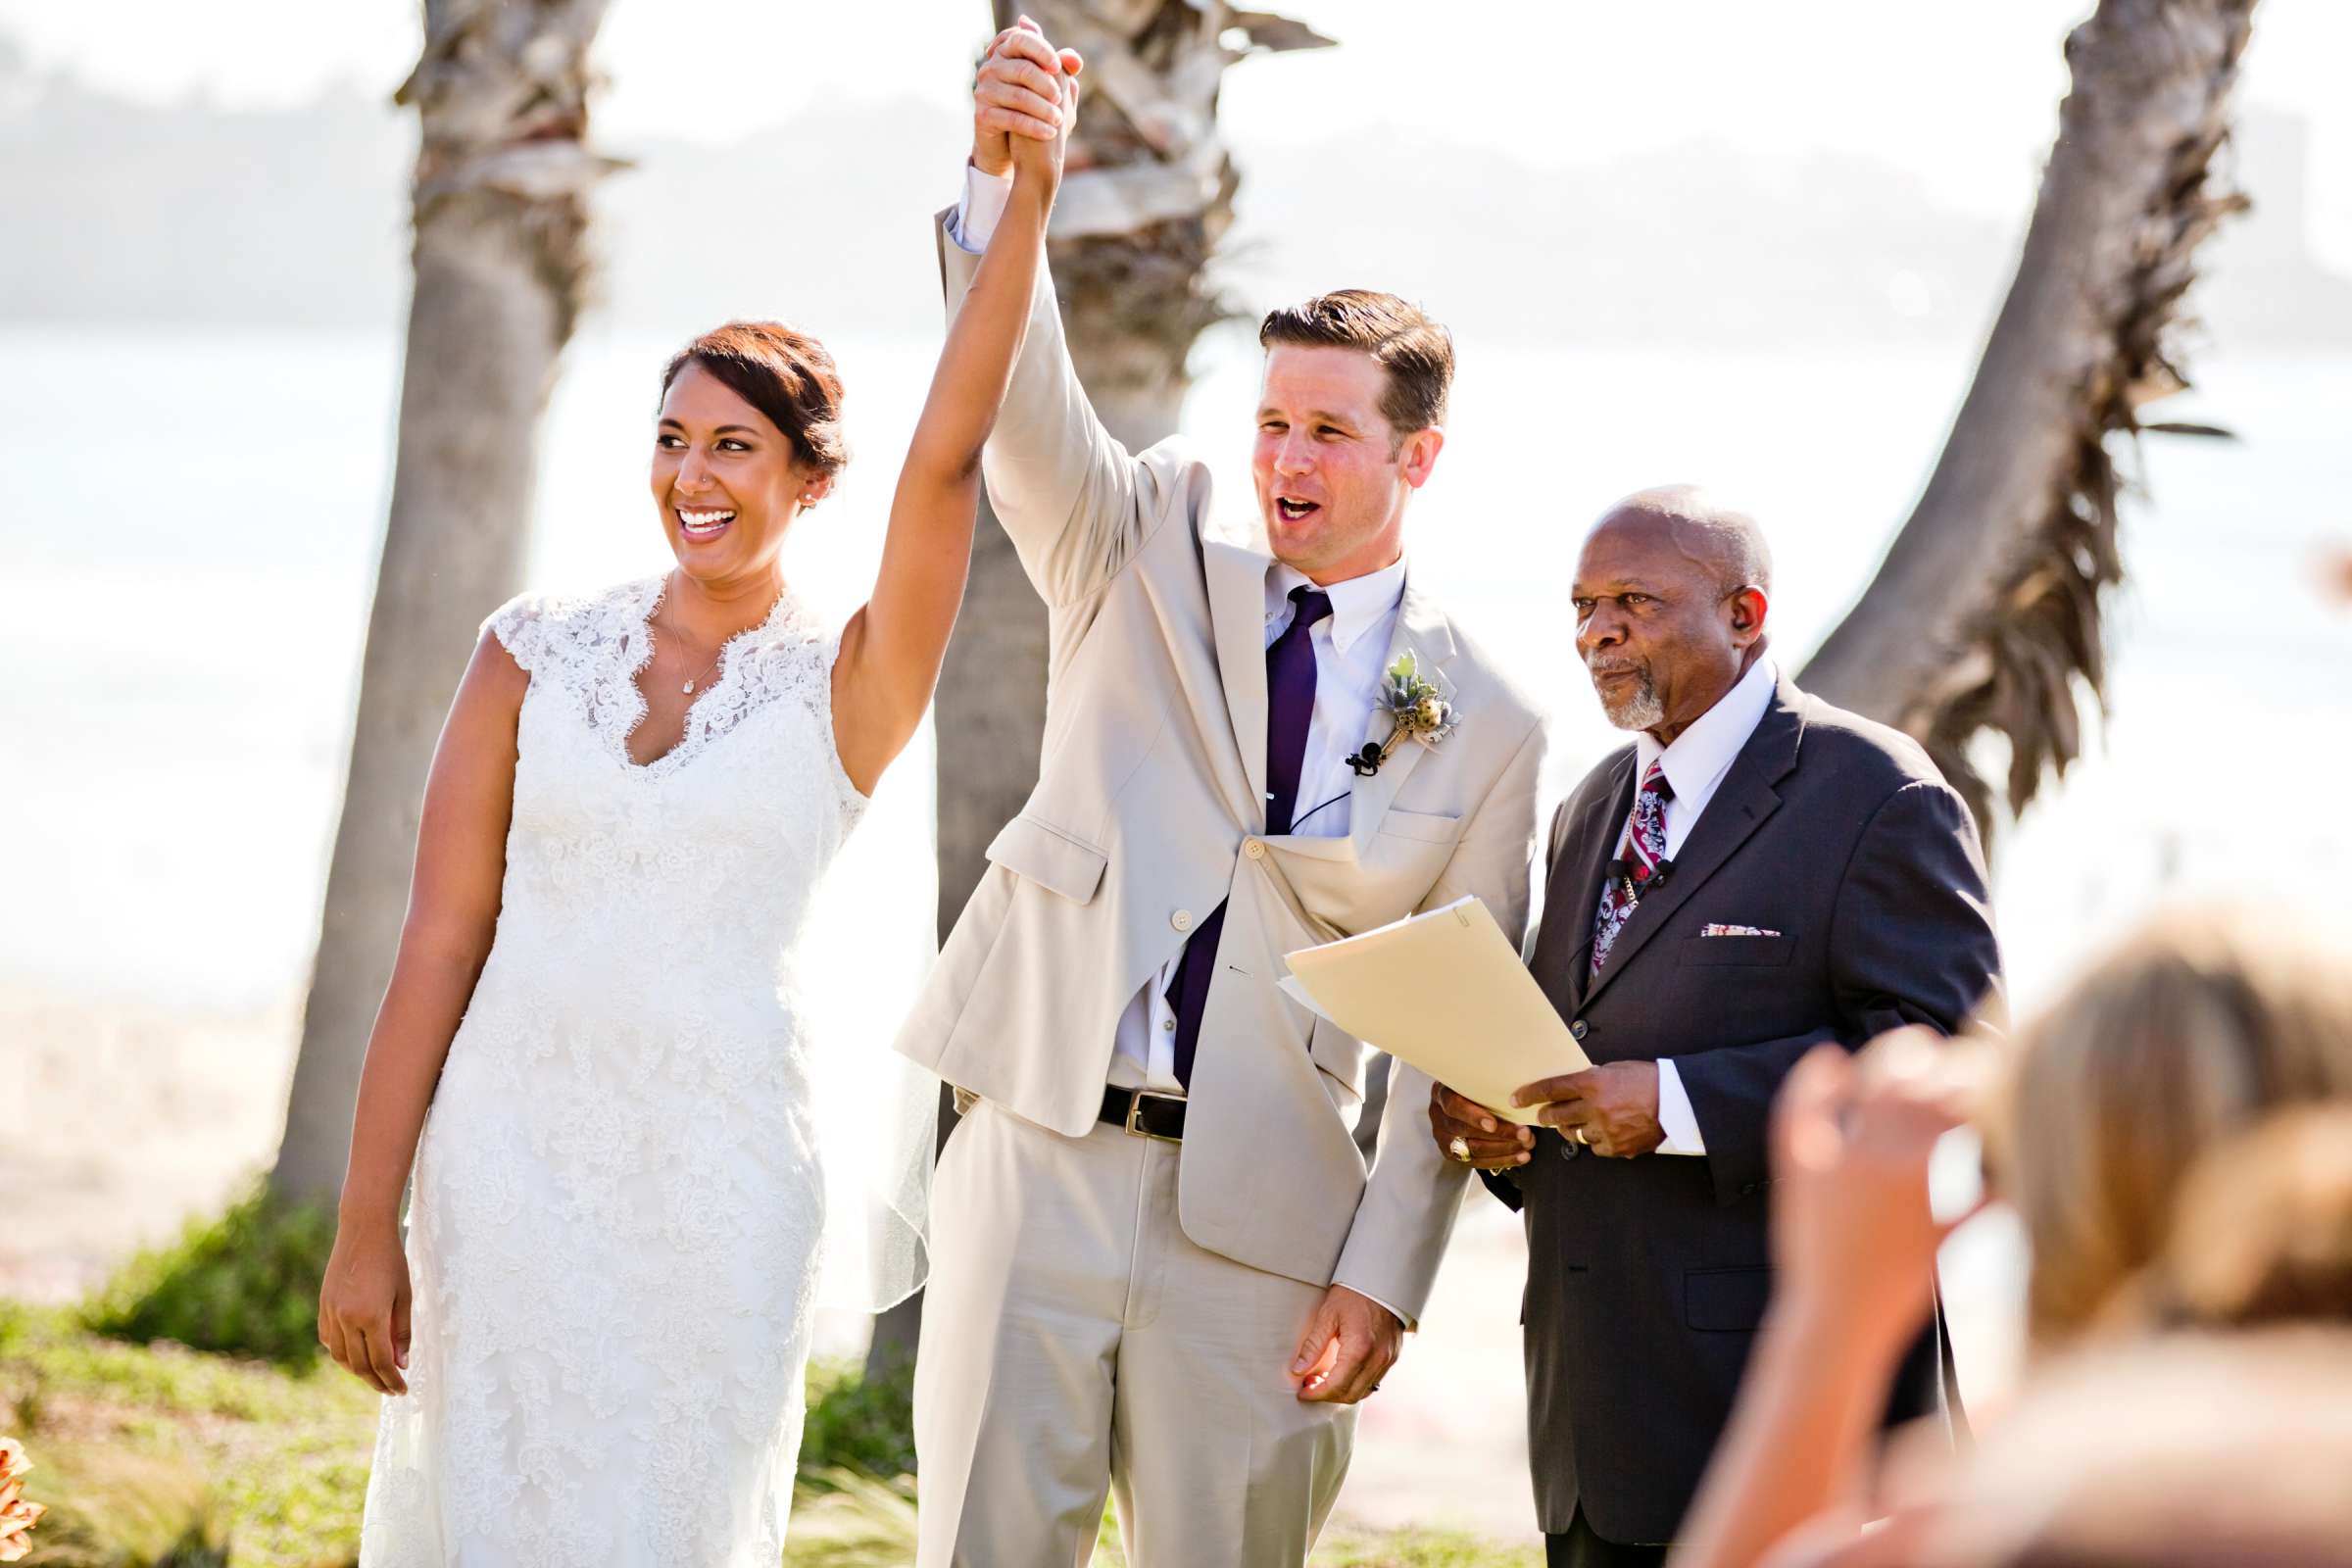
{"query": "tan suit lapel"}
(1423, 629)
(1237, 612)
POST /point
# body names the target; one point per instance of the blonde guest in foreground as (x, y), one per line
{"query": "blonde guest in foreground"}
(594, 1340)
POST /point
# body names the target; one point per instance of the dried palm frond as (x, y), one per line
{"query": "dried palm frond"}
(1986, 614)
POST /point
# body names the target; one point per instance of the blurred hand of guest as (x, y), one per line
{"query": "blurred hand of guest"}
(1853, 1244)
(1853, 1235)
(1611, 1109)
(1019, 92)
(2336, 574)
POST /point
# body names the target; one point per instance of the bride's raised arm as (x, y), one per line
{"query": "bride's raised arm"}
(892, 649)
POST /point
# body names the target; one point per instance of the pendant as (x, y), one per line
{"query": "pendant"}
(688, 688)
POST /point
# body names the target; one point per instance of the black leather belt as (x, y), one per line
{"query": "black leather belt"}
(1145, 1113)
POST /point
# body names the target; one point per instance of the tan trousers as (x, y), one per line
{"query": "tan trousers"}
(1075, 1342)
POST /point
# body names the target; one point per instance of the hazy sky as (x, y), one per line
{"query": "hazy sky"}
(1965, 96)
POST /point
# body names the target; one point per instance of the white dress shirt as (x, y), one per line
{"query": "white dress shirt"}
(1695, 766)
(978, 210)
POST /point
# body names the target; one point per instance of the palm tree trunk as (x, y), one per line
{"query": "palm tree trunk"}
(501, 258)
(1149, 194)
(1985, 614)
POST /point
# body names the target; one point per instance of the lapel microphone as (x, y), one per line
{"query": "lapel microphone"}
(1366, 762)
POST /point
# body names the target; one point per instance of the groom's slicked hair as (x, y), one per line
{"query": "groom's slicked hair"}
(1415, 349)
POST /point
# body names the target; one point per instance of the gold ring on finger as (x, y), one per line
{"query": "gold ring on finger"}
(1459, 1149)
(1583, 1139)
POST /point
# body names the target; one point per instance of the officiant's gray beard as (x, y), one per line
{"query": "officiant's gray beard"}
(1642, 710)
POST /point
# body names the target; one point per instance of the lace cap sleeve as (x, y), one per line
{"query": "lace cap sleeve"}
(520, 625)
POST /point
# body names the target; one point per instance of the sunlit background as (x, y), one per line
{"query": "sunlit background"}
(1754, 246)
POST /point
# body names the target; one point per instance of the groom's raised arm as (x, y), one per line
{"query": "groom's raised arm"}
(1072, 500)
(1414, 1193)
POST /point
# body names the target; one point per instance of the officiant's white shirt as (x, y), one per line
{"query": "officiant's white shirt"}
(1695, 766)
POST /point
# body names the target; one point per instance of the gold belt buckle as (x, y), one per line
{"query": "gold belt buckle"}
(1135, 1112)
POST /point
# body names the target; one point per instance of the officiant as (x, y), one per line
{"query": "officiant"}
(1756, 874)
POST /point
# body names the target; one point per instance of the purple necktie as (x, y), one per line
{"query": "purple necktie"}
(1290, 704)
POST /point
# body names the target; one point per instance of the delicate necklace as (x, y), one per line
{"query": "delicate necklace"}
(688, 688)
(697, 680)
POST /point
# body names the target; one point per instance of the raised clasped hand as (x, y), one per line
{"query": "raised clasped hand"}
(1024, 101)
(1611, 1109)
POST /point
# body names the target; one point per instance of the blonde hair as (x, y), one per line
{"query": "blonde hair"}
(2263, 1231)
(2188, 1033)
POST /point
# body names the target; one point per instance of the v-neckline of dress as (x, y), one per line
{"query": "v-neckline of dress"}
(640, 709)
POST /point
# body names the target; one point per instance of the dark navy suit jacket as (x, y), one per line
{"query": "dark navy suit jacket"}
(1647, 1277)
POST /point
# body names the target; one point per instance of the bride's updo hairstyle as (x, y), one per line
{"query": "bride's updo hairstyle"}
(784, 373)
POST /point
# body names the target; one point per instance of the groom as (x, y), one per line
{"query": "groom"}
(1160, 1263)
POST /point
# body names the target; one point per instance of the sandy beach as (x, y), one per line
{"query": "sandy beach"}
(126, 1119)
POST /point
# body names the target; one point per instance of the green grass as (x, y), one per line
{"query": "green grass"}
(1353, 1548)
(1420, 1548)
(856, 1423)
(142, 1449)
(159, 1457)
(846, 1519)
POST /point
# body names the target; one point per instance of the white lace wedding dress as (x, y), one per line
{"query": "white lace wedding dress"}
(618, 1204)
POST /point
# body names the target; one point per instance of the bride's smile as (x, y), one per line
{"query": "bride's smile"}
(727, 478)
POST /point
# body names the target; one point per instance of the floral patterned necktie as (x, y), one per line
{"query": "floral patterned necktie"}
(1645, 853)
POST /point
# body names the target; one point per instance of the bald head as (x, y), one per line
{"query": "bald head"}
(1721, 540)
(1671, 592)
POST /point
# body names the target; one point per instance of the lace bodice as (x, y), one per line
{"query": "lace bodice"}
(741, 816)
(590, 651)
(620, 1199)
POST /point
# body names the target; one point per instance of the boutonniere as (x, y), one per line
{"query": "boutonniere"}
(1417, 706)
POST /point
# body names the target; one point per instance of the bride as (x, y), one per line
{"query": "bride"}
(595, 1336)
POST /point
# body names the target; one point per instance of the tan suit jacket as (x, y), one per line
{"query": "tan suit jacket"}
(1150, 811)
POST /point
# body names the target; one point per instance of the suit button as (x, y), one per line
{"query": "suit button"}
(1578, 1029)
(1182, 919)
(1255, 848)
(1570, 1149)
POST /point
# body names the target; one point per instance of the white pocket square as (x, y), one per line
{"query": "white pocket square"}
(1712, 930)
